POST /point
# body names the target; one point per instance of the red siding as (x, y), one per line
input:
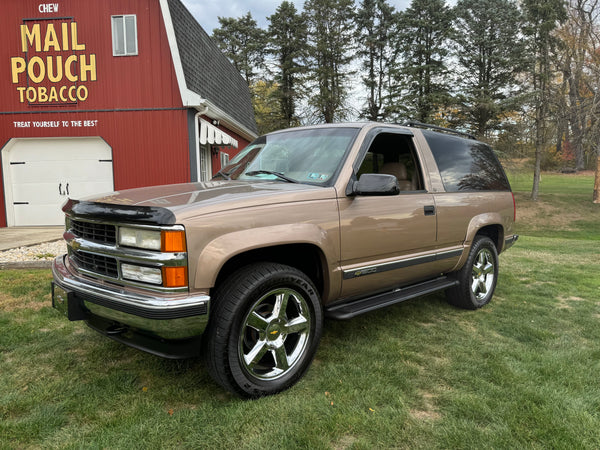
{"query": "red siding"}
(149, 147)
(144, 81)
(132, 102)
(150, 138)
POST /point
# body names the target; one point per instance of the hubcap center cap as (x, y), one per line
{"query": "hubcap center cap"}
(274, 331)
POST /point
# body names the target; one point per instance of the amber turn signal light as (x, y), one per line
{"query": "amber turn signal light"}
(175, 276)
(173, 241)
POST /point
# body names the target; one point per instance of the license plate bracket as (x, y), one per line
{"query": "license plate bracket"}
(67, 303)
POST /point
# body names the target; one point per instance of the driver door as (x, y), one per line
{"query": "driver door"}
(388, 241)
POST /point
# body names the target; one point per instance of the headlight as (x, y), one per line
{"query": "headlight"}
(140, 273)
(140, 238)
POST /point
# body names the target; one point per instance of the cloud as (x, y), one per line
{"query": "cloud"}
(207, 12)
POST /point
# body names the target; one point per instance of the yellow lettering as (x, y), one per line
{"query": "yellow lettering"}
(82, 93)
(18, 66)
(51, 39)
(70, 60)
(74, 44)
(43, 94)
(62, 93)
(53, 70)
(21, 91)
(50, 66)
(53, 97)
(65, 35)
(84, 68)
(33, 37)
(31, 94)
(36, 60)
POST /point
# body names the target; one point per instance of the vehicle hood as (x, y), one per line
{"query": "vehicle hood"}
(193, 199)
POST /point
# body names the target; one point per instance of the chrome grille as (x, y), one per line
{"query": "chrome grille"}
(99, 264)
(96, 232)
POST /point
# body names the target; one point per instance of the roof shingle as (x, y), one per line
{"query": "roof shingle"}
(207, 70)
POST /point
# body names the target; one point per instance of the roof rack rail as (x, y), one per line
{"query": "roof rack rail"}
(417, 124)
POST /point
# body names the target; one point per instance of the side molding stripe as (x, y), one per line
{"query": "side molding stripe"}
(378, 268)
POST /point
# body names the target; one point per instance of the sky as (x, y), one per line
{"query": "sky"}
(207, 12)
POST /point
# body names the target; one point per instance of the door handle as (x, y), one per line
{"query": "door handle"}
(429, 210)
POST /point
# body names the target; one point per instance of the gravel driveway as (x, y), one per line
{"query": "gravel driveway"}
(35, 253)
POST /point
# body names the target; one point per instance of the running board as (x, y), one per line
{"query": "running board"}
(347, 310)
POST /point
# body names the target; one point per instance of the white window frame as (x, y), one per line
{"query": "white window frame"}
(224, 159)
(113, 23)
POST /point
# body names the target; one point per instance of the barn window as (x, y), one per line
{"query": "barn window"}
(224, 159)
(124, 35)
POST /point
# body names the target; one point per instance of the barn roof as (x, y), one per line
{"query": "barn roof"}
(206, 70)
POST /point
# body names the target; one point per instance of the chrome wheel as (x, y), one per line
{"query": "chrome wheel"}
(275, 334)
(483, 274)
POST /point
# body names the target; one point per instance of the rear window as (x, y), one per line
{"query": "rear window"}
(466, 165)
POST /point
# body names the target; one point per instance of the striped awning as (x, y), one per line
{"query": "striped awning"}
(209, 134)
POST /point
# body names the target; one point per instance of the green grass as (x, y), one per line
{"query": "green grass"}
(564, 208)
(520, 373)
(553, 183)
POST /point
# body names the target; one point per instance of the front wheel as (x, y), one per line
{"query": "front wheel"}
(264, 329)
(477, 278)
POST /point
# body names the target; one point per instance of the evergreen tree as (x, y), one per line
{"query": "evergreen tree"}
(288, 44)
(490, 53)
(425, 28)
(376, 25)
(330, 25)
(243, 42)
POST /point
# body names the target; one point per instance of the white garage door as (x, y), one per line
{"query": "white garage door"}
(40, 174)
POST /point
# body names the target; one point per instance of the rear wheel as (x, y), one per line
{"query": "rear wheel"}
(477, 278)
(264, 329)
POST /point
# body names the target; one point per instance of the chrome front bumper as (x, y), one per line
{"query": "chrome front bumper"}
(130, 310)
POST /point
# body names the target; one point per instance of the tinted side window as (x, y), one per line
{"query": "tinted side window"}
(466, 165)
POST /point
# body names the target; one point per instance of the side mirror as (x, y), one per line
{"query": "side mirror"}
(376, 184)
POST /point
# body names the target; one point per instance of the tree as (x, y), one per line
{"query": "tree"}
(542, 18)
(575, 35)
(243, 42)
(267, 108)
(376, 24)
(331, 31)
(425, 28)
(587, 14)
(490, 54)
(288, 44)
(578, 48)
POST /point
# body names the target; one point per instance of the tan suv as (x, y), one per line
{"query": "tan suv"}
(330, 220)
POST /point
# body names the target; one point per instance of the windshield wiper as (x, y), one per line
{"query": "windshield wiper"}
(270, 172)
(223, 174)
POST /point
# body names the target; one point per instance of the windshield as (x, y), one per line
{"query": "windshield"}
(303, 156)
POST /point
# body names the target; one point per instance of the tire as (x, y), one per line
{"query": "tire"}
(264, 329)
(477, 278)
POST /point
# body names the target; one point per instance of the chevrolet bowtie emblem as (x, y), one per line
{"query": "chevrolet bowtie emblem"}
(274, 332)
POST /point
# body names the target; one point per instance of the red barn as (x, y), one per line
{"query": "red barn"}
(102, 95)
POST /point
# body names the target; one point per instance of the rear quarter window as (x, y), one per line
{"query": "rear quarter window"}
(466, 165)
